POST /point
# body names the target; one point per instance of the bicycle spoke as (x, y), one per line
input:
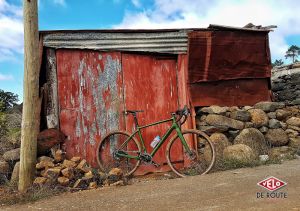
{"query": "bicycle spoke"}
(112, 155)
(199, 162)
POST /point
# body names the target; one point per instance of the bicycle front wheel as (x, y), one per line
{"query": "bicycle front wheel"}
(113, 152)
(198, 161)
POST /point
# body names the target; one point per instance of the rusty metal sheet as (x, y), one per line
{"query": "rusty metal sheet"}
(150, 85)
(90, 99)
(239, 92)
(226, 55)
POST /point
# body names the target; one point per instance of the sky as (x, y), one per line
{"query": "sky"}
(106, 14)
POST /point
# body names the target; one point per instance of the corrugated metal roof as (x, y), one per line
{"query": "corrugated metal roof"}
(158, 41)
(232, 28)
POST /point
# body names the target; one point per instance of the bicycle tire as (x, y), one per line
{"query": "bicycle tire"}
(108, 154)
(185, 168)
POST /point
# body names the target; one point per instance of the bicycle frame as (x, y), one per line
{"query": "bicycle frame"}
(173, 127)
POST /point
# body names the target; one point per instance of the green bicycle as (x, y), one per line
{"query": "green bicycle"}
(122, 150)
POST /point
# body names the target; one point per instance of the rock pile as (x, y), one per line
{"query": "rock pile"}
(286, 83)
(243, 133)
(74, 173)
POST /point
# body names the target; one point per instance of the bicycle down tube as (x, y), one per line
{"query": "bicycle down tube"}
(164, 138)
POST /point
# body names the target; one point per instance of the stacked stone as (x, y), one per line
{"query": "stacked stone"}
(73, 173)
(268, 129)
(286, 83)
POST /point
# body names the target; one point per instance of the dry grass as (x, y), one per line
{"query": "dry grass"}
(10, 196)
(229, 164)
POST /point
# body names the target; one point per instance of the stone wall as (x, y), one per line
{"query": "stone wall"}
(268, 130)
(286, 83)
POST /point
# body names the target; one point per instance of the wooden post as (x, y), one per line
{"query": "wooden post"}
(31, 100)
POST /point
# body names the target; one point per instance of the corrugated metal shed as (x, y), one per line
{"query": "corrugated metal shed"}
(99, 73)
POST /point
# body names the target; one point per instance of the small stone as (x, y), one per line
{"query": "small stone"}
(269, 106)
(248, 108)
(294, 121)
(69, 164)
(40, 181)
(44, 164)
(240, 115)
(118, 183)
(59, 155)
(249, 125)
(264, 158)
(116, 171)
(88, 175)
(45, 158)
(253, 138)
(295, 142)
(83, 166)
(15, 174)
(64, 181)
(274, 123)
(291, 133)
(93, 185)
(233, 133)
(282, 114)
(12, 155)
(213, 129)
(68, 172)
(52, 173)
(43, 173)
(76, 159)
(218, 120)
(294, 128)
(277, 137)
(283, 125)
(239, 152)
(263, 129)
(115, 175)
(4, 167)
(233, 108)
(80, 184)
(214, 109)
(272, 115)
(259, 118)
(202, 118)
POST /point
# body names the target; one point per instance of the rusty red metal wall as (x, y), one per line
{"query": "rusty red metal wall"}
(225, 55)
(90, 99)
(238, 92)
(150, 84)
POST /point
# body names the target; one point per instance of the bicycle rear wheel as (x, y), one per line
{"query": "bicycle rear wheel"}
(110, 148)
(199, 161)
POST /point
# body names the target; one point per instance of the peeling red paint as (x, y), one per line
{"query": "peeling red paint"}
(90, 98)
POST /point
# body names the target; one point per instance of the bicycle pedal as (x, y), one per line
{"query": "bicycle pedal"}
(155, 164)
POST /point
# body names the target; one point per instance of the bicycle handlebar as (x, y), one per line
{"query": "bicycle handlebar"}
(182, 113)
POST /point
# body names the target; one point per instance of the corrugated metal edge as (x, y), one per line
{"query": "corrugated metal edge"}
(165, 42)
(222, 27)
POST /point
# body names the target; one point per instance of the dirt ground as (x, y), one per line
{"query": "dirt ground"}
(230, 190)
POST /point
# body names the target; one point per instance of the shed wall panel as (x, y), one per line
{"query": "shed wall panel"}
(239, 92)
(90, 99)
(150, 84)
(226, 55)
